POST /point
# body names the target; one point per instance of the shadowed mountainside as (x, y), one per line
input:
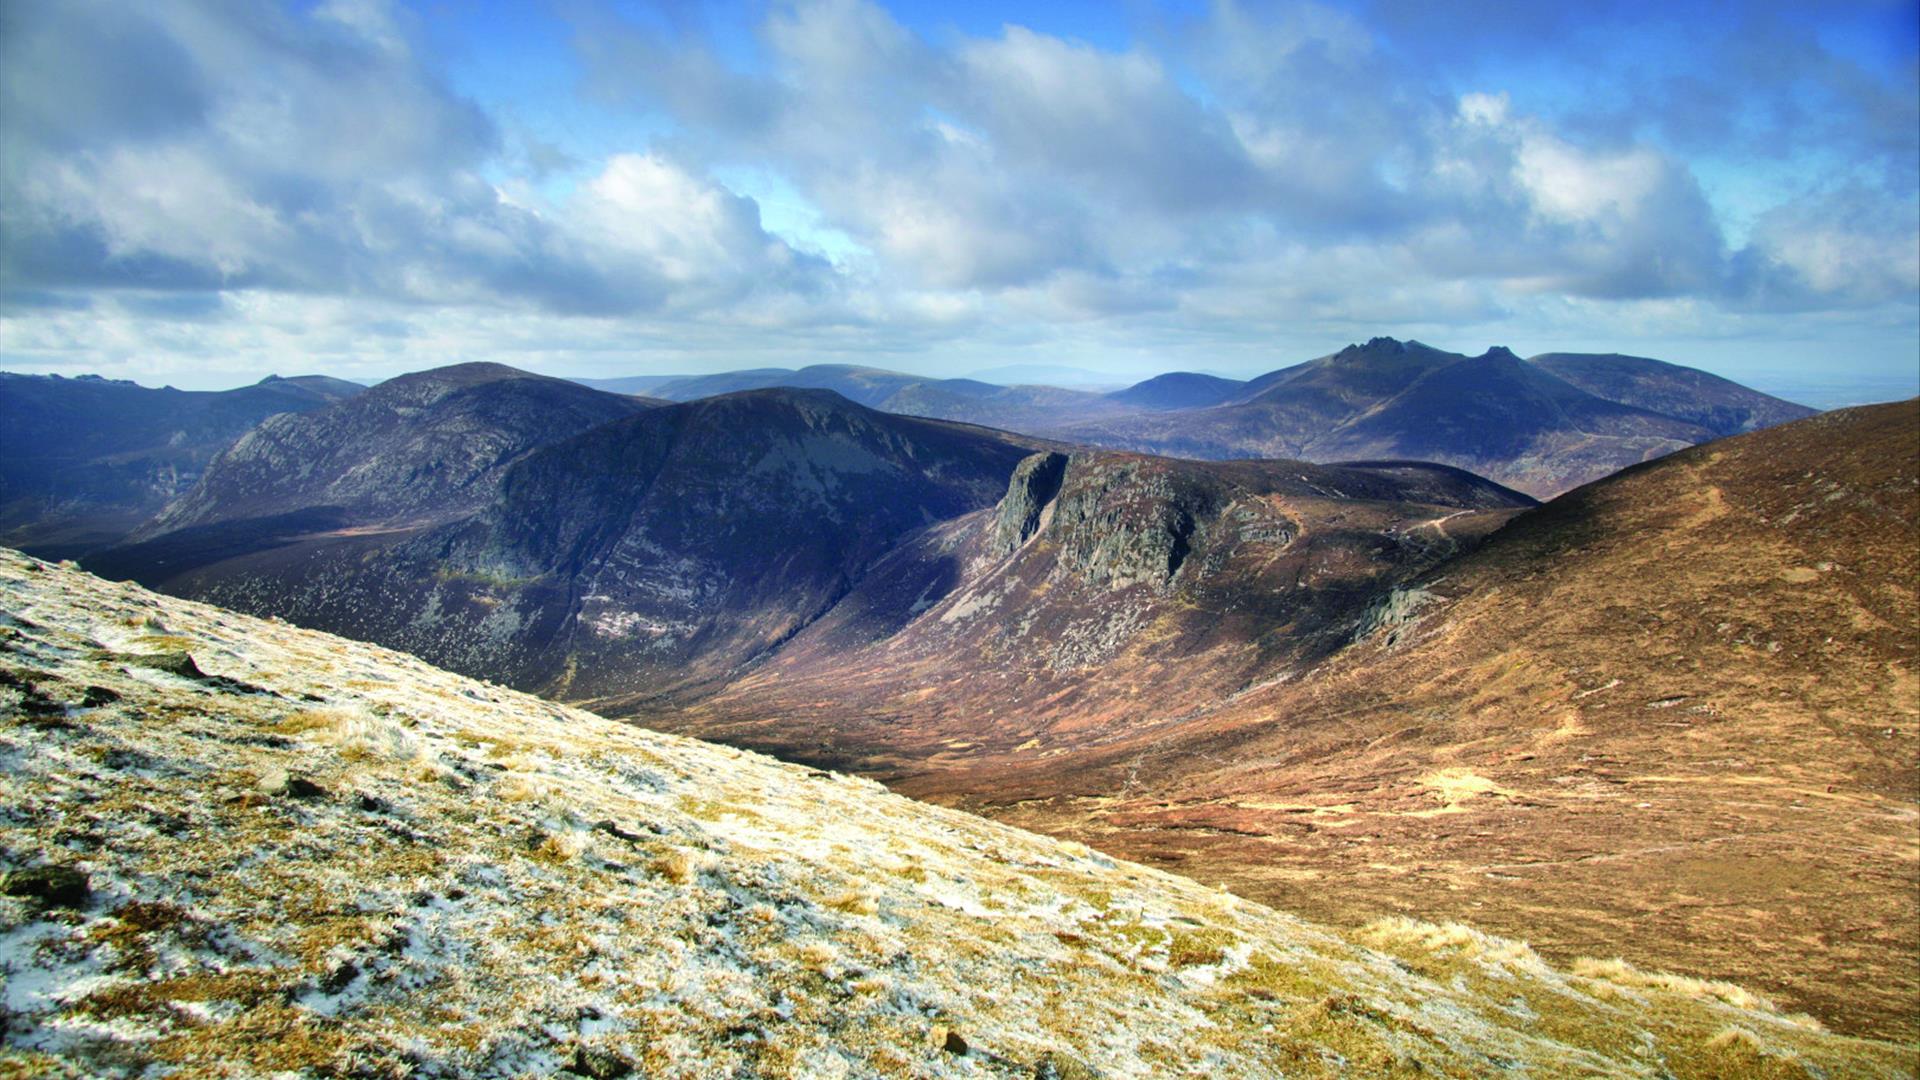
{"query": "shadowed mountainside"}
(84, 461)
(420, 447)
(1720, 405)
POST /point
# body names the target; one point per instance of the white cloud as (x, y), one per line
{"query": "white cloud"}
(210, 176)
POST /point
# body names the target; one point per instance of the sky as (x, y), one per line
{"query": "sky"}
(203, 192)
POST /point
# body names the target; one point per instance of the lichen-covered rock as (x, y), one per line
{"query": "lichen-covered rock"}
(54, 886)
(1035, 482)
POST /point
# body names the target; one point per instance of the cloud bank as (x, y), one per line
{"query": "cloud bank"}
(242, 184)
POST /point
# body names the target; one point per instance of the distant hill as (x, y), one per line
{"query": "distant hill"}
(641, 385)
(1180, 390)
(1013, 408)
(1542, 426)
(1722, 406)
(1496, 415)
(1044, 375)
(85, 460)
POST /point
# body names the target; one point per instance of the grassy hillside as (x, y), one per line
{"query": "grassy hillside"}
(237, 848)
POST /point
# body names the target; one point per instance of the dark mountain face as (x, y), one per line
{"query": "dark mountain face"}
(83, 461)
(419, 448)
(641, 557)
(1719, 405)
(1179, 390)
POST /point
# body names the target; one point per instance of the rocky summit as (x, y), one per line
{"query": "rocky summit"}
(236, 848)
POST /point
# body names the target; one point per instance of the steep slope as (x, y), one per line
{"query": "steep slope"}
(1719, 405)
(272, 852)
(1106, 593)
(419, 447)
(1180, 390)
(83, 461)
(1673, 714)
(643, 557)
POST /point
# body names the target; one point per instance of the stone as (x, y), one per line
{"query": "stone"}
(54, 886)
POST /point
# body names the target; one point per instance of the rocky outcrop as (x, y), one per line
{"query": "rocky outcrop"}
(1123, 520)
(1035, 482)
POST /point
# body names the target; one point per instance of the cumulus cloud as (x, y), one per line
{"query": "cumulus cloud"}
(183, 168)
(235, 147)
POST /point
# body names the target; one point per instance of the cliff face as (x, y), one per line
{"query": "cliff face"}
(231, 847)
(1105, 593)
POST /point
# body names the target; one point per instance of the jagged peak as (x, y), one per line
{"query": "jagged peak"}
(1500, 352)
(1376, 345)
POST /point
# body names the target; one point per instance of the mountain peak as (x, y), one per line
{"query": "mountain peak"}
(1377, 345)
(1500, 352)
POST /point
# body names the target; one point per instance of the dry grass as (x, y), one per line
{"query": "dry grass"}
(740, 917)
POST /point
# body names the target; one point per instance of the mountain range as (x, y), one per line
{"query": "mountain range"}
(661, 554)
(1604, 723)
(1542, 426)
(85, 460)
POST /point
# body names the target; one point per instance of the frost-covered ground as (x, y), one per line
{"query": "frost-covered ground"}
(310, 856)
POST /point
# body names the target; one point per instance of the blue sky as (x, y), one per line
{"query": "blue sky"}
(204, 191)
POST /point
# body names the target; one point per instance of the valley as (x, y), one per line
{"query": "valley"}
(1358, 691)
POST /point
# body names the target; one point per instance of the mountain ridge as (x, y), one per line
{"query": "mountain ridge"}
(84, 461)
